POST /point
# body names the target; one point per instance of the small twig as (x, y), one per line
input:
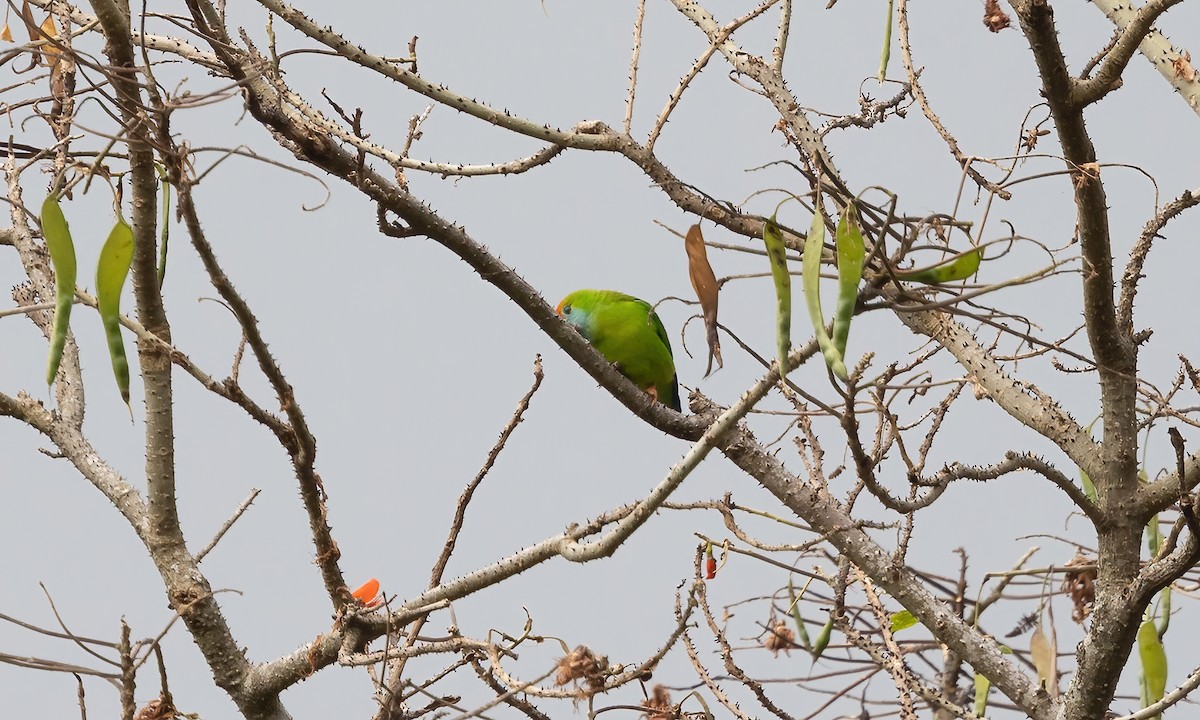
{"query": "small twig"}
(998, 591)
(296, 437)
(70, 634)
(245, 505)
(51, 633)
(165, 693)
(576, 551)
(633, 64)
(918, 93)
(1141, 249)
(460, 509)
(715, 43)
(701, 599)
(1186, 508)
(708, 680)
(512, 691)
(396, 674)
(414, 134)
(905, 682)
(35, 663)
(25, 309)
(79, 694)
(1180, 693)
(154, 642)
(516, 701)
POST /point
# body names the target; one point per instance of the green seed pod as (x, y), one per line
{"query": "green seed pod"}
(823, 638)
(62, 257)
(111, 271)
(1154, 664)
(810, 276)
(166, 232)
(982, 686)
(960, 267)
(783, 291)
(851, 254)
(801, 631)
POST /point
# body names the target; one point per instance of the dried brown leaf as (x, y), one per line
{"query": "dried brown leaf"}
(1044, 661)
(1031, 138)
(32, 29)
(31, 25)
(50, 55)
(6, 33)
(704, 282)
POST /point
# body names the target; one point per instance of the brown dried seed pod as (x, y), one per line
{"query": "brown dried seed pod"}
(994, 16)
(782, 638)
(582, 664)
(658, 705)
(157, 709)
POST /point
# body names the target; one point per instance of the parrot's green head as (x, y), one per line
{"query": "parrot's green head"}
(576, 309)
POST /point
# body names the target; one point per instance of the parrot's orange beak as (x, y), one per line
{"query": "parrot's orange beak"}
(558, 308)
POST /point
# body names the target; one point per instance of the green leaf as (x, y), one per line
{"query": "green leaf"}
(773, 239)
(960, 267)
(901, 620)
(851, 254)
(810, 277)
(62, 257)
(982, 686)
(111, 271)
(1154, 664)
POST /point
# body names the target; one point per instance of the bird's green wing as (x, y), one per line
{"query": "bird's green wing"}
(661, 331)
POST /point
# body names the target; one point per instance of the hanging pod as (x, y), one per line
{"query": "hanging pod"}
(704, 282)
(111, 271)
(62, 257)
(960, 267)
(810, 276)
(776, 254)
(1154, 664)
(851, 255)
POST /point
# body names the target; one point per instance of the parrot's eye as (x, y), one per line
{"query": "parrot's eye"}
(566, 310)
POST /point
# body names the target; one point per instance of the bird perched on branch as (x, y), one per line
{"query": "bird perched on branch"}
(628, 333)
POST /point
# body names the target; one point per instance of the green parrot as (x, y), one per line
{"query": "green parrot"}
(627, 332)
